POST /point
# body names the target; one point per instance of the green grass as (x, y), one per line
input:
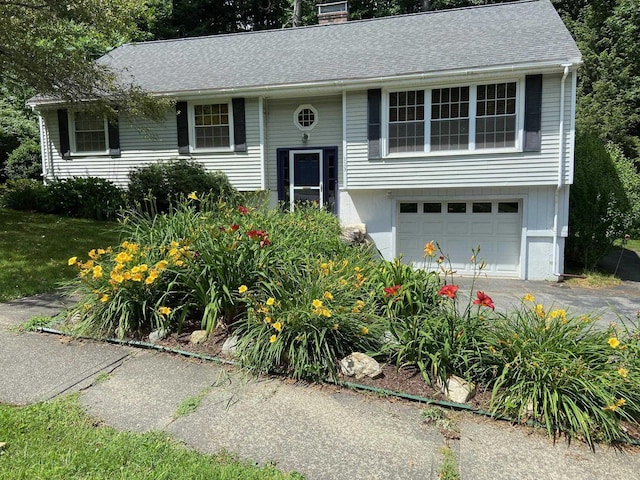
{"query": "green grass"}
(34, 250)
(449, 468)
(191, 404)
(57, 440)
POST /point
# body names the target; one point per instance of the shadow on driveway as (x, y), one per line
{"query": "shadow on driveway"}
(624, 263)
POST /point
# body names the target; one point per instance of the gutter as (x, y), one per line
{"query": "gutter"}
(560, 180)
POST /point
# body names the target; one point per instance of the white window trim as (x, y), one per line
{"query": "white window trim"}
(192, 126)
(72, 137)
(297, 112)
(472, 120)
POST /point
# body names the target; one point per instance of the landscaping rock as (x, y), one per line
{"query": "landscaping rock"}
(230, 346)
(355, 233)
(457, 389)
(198, 337)
(360, 365)
(157, 335)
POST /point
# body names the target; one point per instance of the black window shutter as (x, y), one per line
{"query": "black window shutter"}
(283, 172)
(239, 129)
(532, 113)
(182, 116)
(114, 136)
(63, 127)
(374, 97)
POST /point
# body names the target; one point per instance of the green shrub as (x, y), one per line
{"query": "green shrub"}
(157, 186)
(24, 194)
(25, 161)
(598, 203)
(563, 371)
(89, 197)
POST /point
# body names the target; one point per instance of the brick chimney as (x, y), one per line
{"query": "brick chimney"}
(332, 12)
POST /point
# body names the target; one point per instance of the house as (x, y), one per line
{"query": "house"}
(455, 126)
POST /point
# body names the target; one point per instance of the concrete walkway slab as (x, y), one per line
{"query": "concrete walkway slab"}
(324, 433)
(492, 450)
(23, 309)
(36, 367)
(144, 393)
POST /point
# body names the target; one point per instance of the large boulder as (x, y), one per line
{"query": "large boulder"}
(360, 365)
(457, 389)
(354, 233)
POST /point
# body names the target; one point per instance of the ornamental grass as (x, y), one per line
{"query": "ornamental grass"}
(565, 372)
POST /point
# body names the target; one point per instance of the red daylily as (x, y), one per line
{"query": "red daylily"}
(256, 234)
(448, 291)
(391, 291)
(243, 210)
(484, 300)
(234, 227)
(265, 241)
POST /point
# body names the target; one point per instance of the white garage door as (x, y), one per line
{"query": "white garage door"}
(460, 226)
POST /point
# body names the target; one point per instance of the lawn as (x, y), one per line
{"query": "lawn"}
(57, 440)
(34, 249)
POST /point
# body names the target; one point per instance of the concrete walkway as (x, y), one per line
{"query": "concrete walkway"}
(321, 432)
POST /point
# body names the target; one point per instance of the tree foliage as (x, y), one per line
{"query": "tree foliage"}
(50, 46)
(599, 205)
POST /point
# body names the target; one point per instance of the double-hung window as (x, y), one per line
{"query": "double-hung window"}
(453, 119)
(496, 115)
(450, 118)
(406, 121)
(212, 126)
(89, 133)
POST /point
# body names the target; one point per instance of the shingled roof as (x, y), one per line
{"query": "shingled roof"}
(498, 36)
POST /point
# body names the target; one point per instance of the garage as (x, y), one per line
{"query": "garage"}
(459, 226)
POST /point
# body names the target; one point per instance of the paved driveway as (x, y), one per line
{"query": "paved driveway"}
(610, 304)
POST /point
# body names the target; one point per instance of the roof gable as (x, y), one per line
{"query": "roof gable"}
(499, 35)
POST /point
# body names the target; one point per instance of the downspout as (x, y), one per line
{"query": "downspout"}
(43, 148)
(263, 149)
(344, 139)
(560, 180)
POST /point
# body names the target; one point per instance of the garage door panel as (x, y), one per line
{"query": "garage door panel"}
(457, 227)
(498, 235)
(481, 228)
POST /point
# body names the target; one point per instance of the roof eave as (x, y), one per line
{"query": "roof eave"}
(337, 85)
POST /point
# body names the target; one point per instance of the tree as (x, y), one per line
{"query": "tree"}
(51, 46)
(599, 206)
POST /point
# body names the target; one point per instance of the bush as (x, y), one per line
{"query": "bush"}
(89, 197)
(25, 161)
(157, 186)
(92, 198)
(598, 204)
(564, 372)
(24, 194)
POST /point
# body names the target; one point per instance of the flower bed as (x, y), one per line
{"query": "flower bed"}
(299, 300)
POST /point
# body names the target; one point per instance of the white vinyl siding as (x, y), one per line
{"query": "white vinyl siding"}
(469, 169)
(283, 133)
(144, 142)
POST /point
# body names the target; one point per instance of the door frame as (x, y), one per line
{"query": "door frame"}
(329, 173)
(292, 185)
